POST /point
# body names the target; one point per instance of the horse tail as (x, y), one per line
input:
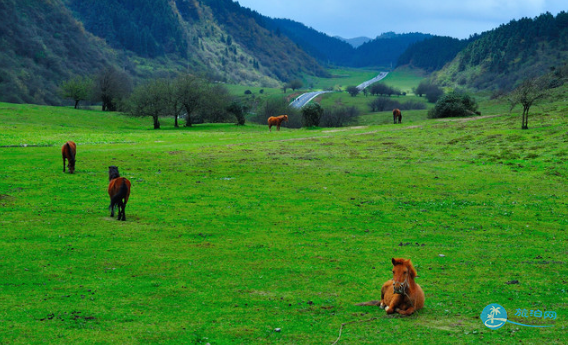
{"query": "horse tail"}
(369, 303)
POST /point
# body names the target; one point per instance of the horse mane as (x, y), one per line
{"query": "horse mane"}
(113, 172)
(406, 263)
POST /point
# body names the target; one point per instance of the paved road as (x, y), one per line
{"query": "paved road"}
(305, 98)
(380, 77)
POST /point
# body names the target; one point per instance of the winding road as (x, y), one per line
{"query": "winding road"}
(305, 98)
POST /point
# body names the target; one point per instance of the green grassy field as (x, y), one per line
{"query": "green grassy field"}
(233, 232)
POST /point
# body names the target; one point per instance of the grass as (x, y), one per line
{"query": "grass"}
(233, 232)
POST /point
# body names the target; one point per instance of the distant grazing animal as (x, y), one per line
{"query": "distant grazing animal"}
(277, 121)
(119, 192)
(397, 116)
(401, 294)
(68, 151)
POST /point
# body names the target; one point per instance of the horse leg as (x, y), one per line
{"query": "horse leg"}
(270, 128)
(393, 303)
(63, 163)
(124, 212)
(394, 119)
(111, 209)
(405, 312)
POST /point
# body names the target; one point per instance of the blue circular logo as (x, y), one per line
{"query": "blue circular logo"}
(494, 316)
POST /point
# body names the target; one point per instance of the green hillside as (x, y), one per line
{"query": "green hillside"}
(49, 42)
(500, 58)
(237, 235)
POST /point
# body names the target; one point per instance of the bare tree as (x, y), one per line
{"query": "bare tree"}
(149, 100)
(111, 87)
(527, 94)
(191, 91)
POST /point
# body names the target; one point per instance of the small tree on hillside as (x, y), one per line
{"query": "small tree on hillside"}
(295, 84)
(77, 88)
(148, 100)
(193, 93)
(353, 90)
(528, 93)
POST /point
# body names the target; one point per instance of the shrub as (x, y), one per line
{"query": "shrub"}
(454, 104)
(238, 109)
(339, 117)
(311, 115)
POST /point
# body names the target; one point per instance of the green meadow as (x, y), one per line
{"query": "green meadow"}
(234, 235)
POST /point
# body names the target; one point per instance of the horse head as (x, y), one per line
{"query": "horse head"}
(113, 172)
(71, 165)
(403, 274)
(285, 118)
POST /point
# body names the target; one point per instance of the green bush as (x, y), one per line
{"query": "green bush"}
(311, 115)
(454, 104)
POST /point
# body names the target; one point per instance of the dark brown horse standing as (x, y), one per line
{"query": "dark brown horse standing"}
(397, 116)
(119, 192)
(68, 151)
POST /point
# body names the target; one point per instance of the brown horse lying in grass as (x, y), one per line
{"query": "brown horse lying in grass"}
(276, 121)
(68, 151)
(397, 116)
(401, 294)
(119, 192)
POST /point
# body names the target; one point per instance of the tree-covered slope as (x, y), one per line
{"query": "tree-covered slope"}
(432, 53)
(46, 42)
(41, 44)
(514, 51)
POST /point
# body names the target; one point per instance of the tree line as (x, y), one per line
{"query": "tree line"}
(194, 98)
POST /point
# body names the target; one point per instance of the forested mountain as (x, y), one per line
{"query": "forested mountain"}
(323, 47)
(355, 42)
(385, 49)
(514, 51)
(43, 43)
(433, 53)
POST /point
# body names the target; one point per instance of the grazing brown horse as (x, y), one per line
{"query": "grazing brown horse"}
(68, 151)
(276, 121)
(401, 294)
(397, 116)
(119, 192)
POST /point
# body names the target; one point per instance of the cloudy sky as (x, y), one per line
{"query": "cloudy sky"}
(353, 18)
